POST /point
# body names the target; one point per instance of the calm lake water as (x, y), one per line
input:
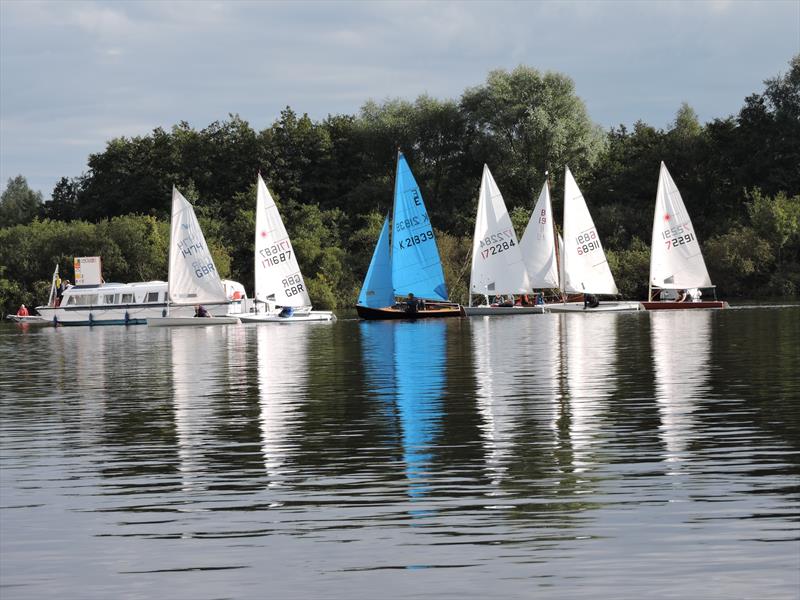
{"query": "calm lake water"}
(551, 456)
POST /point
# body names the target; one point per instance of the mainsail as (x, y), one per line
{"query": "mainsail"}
(538, 245)
(277, 273)
(676, 261)
(416, 267)
(193, 277)
(585, 267)
(497, 263)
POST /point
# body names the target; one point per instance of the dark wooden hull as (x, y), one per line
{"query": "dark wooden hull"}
(390, 312)
(670, 305)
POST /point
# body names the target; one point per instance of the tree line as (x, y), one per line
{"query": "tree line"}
(333, 181)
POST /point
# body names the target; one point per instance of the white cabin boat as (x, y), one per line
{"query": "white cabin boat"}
(130, 304)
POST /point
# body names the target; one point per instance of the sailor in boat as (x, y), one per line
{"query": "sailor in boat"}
(412, 304)
(22, 312)
(590, 301)
(681, 296)
(200, 311)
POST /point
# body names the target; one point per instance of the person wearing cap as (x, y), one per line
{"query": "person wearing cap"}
(22, 312)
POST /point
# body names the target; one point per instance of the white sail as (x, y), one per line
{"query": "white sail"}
(585, 265)
(277, 274)
(497, 264)
(676, 261)
(538, 244)
(193, 277)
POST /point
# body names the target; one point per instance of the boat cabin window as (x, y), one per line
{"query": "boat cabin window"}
(152, 296)
(127, 298)
(81, 299)
(109, 299)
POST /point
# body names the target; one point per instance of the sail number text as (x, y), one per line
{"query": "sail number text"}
(293, 285)
(496, 243)
(415, 221)
(416, 239)
(677, 236)
(587, 242)
(276, 254)
(201, 270)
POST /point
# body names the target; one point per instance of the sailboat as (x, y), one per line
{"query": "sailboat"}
(405, 263)
(676, 262)
(280, 287)
(585, 268)
(193, 278)
(498, 267)
(538, 244)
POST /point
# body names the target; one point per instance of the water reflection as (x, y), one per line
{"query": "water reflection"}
(589, 348)
(282, 387)
(681, 343)
(194, 386)
(405, 366)
(516, 363)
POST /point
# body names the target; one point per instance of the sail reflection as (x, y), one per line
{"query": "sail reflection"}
(282, 383)
(589, 345)
(513, 383)
(404, 364)
(194, 386)
(681, 354)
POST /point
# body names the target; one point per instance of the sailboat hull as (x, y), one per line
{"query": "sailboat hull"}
(314, 315)
(492, 311)
(562, 307)
(669, 305)
(191, 321)
(431, 311)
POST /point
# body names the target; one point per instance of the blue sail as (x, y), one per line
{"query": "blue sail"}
(377, 290)
(416, 267)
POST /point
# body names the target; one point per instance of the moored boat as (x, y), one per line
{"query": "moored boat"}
(584, 268)
(498, 267)
(280, 294)
(677, 270)
(406, 264)
(193, 278)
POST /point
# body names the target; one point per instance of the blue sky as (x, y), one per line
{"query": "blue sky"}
(74, 75)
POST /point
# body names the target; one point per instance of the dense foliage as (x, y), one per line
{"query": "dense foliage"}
(333, 181)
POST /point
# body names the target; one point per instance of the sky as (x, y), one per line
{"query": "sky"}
(76, 74)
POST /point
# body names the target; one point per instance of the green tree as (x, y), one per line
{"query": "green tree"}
(527, 123)
(18, 203)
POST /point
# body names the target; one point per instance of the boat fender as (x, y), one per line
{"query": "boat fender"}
(127, 318)
(163, 312)
(91, 320)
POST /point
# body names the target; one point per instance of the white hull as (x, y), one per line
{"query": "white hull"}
(123, 315)
(314, 315)
(496, 311)
(172, 321)
(604, 306)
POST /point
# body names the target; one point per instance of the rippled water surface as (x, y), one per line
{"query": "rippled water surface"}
(550, 456)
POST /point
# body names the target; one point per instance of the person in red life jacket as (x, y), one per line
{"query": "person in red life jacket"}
(22, 312)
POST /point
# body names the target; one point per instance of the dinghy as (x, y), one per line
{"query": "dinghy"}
(498, 267)
(406, 264)
(280, 290)
(193, 279)
(677, 269)
(585, 268)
